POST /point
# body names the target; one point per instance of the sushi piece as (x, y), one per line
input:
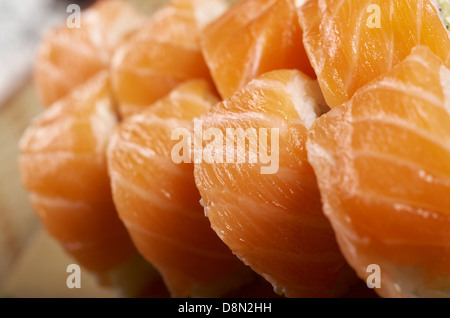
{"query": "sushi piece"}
(351, 42)
(67, 57)
(158, 201)
(259, 191)
(164, 53)
(383, 166)
(63, 167)
(251, 38)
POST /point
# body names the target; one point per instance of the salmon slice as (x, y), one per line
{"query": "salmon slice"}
(163, 54)
(159, 203)
(63, 166)
(272, 219)
(249, 40)
(383, 166)
(351, 42)
(67, 57)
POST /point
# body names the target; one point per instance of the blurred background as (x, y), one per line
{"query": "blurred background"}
(31, 263)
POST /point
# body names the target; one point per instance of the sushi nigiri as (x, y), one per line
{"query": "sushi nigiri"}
(383, 166)
(63, 166)
(158, 201)
(253, 37)
(268, 209)
(352, 42)
(67, 57)
(164, 53)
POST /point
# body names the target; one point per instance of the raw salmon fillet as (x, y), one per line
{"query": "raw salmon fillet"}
(273, 220)
(383, 166)
(251, 38)
(159, 203)
(351, 42)
(67, 57)
(163, 54)
(63, 166)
